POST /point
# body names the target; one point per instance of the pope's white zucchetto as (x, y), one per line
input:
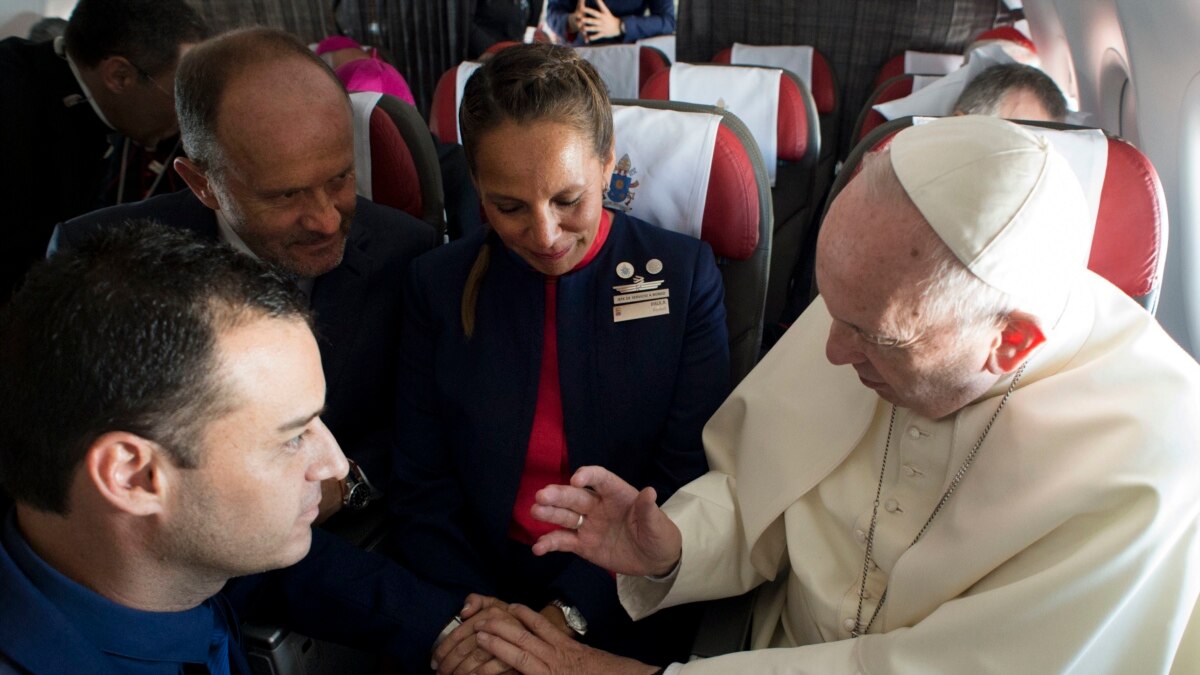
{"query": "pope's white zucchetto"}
(1004, 201)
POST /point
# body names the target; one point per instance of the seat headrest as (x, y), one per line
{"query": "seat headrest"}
(1129, 247)
(443, 111)
(662, 183)
(895, 88)
(821, 85)
(793, 122)
(394, 178)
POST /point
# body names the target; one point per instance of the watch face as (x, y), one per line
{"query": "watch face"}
(358, 496)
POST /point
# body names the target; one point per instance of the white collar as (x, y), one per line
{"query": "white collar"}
(229, 236)
(60, 48)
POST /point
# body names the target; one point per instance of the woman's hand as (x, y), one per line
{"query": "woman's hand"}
(600, 23)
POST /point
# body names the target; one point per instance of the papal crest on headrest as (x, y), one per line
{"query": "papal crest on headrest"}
(621, 186)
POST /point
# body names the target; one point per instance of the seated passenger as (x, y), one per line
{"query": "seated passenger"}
(360, 70)
(1013, 91)
(160, 434)
(61, 100)
(494, 21)
(268, 133)
(531, 349)
(598, 22)
(971, 454)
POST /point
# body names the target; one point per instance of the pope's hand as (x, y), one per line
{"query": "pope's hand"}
(622, 530)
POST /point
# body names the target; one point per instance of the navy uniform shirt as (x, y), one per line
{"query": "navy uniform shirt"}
(125, 639)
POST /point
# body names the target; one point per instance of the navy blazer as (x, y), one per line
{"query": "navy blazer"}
(635, 396)
(357, 307)
(638, 25)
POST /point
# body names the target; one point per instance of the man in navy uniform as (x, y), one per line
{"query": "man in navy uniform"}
(269, 138)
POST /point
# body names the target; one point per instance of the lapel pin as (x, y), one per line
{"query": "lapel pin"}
(625, 270)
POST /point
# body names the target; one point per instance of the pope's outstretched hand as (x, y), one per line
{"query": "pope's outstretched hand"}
(608, 522)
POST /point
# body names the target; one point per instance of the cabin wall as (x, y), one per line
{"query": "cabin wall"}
(1135, 67)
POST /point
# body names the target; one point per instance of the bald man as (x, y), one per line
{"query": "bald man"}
(971, 454)
(269, 138)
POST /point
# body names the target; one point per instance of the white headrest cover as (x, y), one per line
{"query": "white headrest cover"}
(1003, 200)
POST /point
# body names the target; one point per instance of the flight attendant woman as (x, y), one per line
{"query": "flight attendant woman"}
(527, 353)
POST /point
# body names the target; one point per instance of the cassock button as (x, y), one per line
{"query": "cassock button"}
(891, 505)
(914, 432)
(848, 624)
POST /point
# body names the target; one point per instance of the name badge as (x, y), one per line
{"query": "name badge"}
(641, 310)
(626, 298)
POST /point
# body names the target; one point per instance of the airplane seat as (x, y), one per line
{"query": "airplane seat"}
(794, 141)
(816, 74)
(893, 88)
(500, 46)
(696, 169)
(912, 62)
(402, 162)
(625, 68)
(1129, 244)
(443, 110)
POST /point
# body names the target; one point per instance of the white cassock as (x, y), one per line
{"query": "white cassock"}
(1070, 546)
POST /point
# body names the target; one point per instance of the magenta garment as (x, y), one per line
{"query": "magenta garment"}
(375, 75)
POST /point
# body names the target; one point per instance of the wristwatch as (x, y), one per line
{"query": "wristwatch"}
(356, 489)
(574, 617)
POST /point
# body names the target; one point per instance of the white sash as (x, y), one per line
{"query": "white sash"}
(363, 104)
(465, 70)
(796, 58)
(750, 93)
(664, 158)
(619, 66)
(919, 82)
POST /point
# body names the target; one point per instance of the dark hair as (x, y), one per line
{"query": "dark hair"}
(530, 83)
(205, 73)
(983, 94)
(47, 28)
(147, 32)
(119, 335)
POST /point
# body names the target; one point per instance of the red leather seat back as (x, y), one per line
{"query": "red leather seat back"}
(443, 111)
(650, 63)
(1129, 246)
(891, 68)
(731, 210)
(823, 88)
(895, 88)
(792, 129)
(394, 179)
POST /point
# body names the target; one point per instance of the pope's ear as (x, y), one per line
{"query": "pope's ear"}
(126, 470)
(1020, 334)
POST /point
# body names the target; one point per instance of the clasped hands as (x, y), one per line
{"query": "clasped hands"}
(595, 24)
(621, 529)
